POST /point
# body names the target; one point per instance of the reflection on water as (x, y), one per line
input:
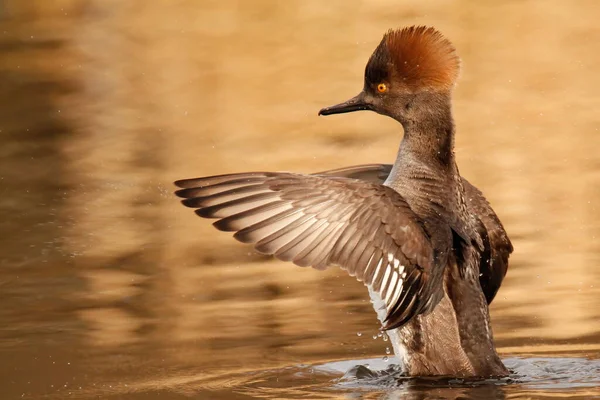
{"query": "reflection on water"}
(109, 286)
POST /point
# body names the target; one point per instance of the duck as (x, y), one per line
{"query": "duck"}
(424, 241)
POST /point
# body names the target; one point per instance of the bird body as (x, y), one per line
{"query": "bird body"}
(425, 242)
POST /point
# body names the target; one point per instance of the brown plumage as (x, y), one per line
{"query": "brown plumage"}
(322, 220)
(424, 241)
(418, 58)
(492, 269)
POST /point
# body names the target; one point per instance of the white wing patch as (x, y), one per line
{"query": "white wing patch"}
(393, 280)
(377, 269)
(386, 275)
(391, 287)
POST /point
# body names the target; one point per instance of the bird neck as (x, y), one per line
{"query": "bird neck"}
(425, 167)
(429, 132)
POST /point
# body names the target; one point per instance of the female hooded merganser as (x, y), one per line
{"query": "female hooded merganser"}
(425, 242)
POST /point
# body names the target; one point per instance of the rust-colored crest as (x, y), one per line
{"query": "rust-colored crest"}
(418, 56)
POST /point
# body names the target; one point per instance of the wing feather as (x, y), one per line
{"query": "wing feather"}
(494, 261)
(319, 220)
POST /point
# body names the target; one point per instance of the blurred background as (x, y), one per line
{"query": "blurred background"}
(108, 285)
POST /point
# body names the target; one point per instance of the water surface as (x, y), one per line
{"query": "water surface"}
(110, 288)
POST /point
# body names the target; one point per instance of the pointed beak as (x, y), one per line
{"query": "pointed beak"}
(357, 103)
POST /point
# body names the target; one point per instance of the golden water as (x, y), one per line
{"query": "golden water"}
(109, 287)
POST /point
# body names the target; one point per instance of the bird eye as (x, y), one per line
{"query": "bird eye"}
(382, 88)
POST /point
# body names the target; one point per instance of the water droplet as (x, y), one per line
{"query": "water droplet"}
(387, 350)
(374, 337)
(379, 334)
(385, 358)
(385, 338)
(358, 334)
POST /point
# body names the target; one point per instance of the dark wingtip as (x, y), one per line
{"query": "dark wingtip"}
(191, 183)
(180, 183)
(204, 212)
(192, 203)
(224, 225)
(389, 324)
(396, 325)
(181, 193)
(242, 237)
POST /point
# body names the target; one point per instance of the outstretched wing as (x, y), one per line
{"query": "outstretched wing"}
(492, 269)
(316, 220)
(374, 173)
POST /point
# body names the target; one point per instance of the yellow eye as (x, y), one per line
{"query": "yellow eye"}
(382, 88)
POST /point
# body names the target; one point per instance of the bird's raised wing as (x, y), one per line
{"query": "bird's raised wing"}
(374, 173)
(317, 220)
(494, 262)
(492, 270)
